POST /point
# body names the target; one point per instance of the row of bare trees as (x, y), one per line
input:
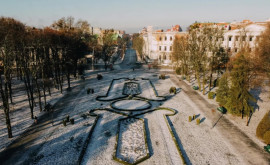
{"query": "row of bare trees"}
(40, 58)
(200, 53)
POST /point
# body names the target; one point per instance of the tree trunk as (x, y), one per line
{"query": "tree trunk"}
(44, 94)
(198, 80)
(39, 95)
(4, 95)
(10, 91)
(210, 80)
(30, 95)
(8, 123)
(204, 84)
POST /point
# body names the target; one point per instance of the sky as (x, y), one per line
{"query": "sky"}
(133, 15)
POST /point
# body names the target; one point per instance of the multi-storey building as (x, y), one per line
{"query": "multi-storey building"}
(244, 34)
(158, 43)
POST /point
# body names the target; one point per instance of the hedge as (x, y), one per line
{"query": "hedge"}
(211, 95)
(263, 126)
(266, 137)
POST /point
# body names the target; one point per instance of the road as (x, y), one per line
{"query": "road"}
(129, 60)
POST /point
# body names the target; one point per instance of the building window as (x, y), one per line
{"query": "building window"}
(160, 38)
(165, 38)
(236, 38)
(170, 48)
(165, 48)
(235, 50)
(171, 38)
(250, 38)
(159, 48)
(229, 49)
(244, 38)
(230, 38)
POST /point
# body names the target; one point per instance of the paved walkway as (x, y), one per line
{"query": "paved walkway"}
(250, 151)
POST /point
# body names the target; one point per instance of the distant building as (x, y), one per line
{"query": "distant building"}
(158, 43)
(245, 33)
(238, 34)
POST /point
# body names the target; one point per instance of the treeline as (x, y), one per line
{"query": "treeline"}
(137, 44)
(200, 53)
(44, 58)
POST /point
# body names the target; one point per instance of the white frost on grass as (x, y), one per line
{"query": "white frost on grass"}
(148, 91)
(116, 90)
(131, 104)
(131, 143)
(262, 107)
(20, 115)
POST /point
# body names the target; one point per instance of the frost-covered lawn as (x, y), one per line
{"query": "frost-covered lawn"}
(200, 144)
(20, 112)
(131, 104)
(261, 108)
(131, 143)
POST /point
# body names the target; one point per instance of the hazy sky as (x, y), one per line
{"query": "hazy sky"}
(132, 15)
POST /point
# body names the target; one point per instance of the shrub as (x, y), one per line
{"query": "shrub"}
(88, 91)
(263, 126)
(99, 76)
(130, 97)
(211, 95)
(81, 68)
(266, 137)
(67, 118)
(162, 76)
(178, 70)
(84, 116)
(173, 90)
(198, 121)
(64, 122)
(72, 121)
(183, 77)
(189, 118)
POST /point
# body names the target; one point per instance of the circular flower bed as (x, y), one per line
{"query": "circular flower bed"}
(130, 105)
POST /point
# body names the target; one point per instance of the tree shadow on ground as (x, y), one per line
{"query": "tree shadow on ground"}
(202, 120)
(148, 135)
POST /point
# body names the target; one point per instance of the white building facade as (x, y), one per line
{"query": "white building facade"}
(158, 44)
(247, 36)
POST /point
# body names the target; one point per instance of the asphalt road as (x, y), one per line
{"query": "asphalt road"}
(129, 60)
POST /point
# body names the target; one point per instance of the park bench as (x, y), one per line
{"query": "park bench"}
(195, 87)
(222, 110)
(267, 148)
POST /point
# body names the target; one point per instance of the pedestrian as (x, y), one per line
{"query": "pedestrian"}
(35, 120)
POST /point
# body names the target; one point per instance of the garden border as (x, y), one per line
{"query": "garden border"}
(134, 79)
(174, 112)
(117, 139)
